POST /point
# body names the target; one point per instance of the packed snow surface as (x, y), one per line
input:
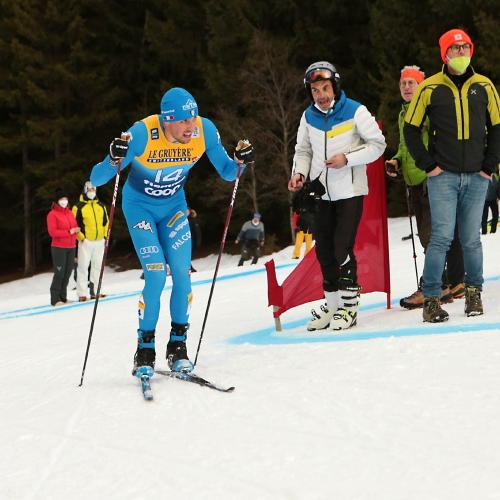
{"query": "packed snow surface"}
(392, 409)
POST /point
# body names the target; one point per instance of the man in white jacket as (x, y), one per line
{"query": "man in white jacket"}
(337, 137)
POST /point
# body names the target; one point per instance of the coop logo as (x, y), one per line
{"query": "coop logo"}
(155, 267)
(146, 226)
(146, 250)
(190, 104)
(162, 192)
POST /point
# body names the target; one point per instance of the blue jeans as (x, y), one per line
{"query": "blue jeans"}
(455, 197)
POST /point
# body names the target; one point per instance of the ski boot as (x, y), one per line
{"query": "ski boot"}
(177, 357)
(346, 315)
(144, 359)
(322, 320)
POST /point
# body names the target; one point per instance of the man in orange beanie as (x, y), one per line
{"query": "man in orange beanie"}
(464, 151)
(418, 200)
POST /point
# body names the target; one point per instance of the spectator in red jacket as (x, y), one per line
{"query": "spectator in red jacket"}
(63, 228)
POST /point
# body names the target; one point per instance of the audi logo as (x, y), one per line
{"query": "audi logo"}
(145, 250)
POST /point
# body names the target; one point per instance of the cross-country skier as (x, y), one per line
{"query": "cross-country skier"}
(161, 150)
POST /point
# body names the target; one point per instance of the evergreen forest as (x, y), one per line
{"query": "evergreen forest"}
(76, 73)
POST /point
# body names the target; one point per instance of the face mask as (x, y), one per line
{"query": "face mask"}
(63, 203)
(459, 64)
(91, 195)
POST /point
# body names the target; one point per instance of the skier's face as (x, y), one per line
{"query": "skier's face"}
(180, 131)
(323, 94)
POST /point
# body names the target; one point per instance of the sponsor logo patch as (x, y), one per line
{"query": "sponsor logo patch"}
(181, 240)
(175, 218)
(154, 134)
(146, 250)
(141, 307)
(190, 104)
(146, 226)
(157, 266)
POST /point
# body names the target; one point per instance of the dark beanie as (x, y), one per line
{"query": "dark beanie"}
(60, 193)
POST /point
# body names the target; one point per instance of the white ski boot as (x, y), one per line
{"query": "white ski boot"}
(346, 317)
(322, 320)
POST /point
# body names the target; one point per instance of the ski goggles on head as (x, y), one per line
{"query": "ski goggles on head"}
(315, 75)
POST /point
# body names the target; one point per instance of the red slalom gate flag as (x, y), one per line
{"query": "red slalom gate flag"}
(305, 282)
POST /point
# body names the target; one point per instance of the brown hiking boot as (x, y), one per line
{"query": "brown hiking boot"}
(414, 301)
(433, 313)
(446, 295)
(458, 291)
(473, 302)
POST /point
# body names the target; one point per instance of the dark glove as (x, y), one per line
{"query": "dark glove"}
(118, 149)
(244, 152)
(305, 222)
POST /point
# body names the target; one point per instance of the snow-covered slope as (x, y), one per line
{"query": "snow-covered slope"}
(393, 409)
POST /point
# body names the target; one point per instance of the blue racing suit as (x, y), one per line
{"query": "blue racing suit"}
(154, 205)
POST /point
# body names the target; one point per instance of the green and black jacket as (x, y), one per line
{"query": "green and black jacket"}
(464, 125)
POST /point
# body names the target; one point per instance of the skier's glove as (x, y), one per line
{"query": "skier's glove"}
(118, 148)
(244, 152)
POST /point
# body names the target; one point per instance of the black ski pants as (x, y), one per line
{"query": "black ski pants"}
(63, 259)
(247, 247)
(335, 229)
(493, 204)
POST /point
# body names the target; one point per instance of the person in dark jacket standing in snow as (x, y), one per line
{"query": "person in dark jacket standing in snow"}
(63, 228)
(252, 237)
(463, 109)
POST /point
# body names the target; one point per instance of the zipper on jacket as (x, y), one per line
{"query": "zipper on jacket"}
(95, 220)
(463, 131)
(326, 152)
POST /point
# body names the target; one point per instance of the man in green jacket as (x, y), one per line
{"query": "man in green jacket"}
(463, 109)
(415, 179)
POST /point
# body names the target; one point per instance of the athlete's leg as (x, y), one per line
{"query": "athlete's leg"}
(175, 239)
(144, 233)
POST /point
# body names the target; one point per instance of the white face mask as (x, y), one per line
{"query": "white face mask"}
(91, 195)
(63, 203)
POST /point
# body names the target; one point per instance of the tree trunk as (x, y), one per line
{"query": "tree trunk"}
(29, 267)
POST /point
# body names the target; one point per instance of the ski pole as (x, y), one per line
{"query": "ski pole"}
(224, 233)
(106, 246)
(411, 232)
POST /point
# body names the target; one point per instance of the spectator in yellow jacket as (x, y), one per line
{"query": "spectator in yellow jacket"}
(92, 218)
